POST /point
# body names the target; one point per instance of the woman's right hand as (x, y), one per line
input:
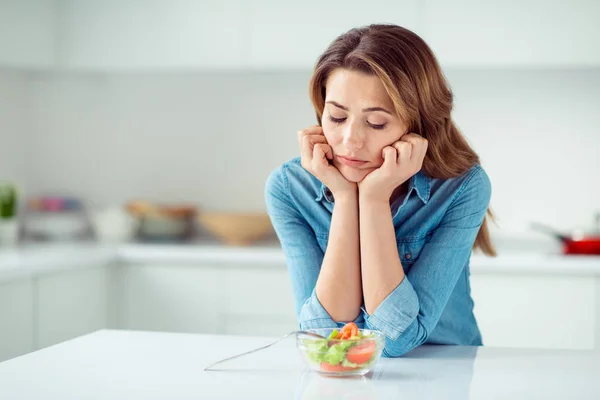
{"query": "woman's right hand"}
(316, 153)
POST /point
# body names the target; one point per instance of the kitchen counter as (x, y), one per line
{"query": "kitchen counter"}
(111, 364)
(516, 262)
(36, 259)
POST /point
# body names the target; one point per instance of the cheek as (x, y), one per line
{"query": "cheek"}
(333, 138)
(377, 145)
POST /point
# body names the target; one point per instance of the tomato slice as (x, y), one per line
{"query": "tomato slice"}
(349, 330)
(325, 366)
(361, 353)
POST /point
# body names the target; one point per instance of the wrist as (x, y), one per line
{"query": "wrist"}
(368, 199)
(350, 194)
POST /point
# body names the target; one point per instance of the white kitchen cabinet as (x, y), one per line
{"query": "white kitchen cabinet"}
(536, 311)
(28, 33)
(140, 34)
(70, 303)
(258, 291)
(16, 318)
(206, 298)
(513, 33)
(257, 326)
(171, 298)
(258, 301)
(292, 34)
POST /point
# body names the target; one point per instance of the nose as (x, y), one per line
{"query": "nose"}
(353, 137)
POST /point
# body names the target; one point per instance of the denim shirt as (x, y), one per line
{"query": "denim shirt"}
(436, 222)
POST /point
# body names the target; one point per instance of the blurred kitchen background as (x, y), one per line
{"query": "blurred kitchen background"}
(115, 112)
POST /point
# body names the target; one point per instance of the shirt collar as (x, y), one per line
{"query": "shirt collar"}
(419, 182)
(422, 185)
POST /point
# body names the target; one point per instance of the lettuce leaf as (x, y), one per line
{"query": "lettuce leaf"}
(319, 350)
(337, 352)
(347, 363)
(316, 349)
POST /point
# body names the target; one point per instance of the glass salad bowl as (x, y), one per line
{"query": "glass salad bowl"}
(349, 351)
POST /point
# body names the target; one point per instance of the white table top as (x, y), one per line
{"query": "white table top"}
(111, 364)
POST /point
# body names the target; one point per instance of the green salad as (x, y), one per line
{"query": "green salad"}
(348, 352)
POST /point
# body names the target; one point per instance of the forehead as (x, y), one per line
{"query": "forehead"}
(355, 89)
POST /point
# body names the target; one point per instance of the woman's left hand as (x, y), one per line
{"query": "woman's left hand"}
(401, 161)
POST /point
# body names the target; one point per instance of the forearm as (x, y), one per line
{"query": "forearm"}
(339, 287)
(380, 263)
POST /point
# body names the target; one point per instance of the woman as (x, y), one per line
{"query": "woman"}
(379, 215)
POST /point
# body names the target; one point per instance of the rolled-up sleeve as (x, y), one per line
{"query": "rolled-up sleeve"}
(396, 312)
(412, 310)
(302, 253)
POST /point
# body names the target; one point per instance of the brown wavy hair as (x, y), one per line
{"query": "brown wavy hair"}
(414, 81)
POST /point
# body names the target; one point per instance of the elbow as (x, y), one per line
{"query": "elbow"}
(406, 342)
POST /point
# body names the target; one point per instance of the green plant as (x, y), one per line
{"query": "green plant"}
(8, 201)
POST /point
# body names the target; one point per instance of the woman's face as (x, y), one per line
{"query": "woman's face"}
(358, 121)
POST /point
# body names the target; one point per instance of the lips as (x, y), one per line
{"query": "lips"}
(351, 158)
(351, 161)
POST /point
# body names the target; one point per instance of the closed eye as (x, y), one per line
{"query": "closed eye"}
(375, 126)
(341, 120)
(336, 120)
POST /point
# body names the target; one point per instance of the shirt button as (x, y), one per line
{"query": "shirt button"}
(328, 194)
(407, 256)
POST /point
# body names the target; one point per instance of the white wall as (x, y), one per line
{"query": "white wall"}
(537, 134)
(28, 33)
(212, 138)
(15, 125)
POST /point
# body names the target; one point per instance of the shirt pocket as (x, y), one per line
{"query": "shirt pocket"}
(409, 249)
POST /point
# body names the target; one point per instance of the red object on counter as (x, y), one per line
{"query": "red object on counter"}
(586, 245)
(580, 244)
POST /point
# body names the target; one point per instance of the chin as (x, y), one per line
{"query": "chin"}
(353, 174)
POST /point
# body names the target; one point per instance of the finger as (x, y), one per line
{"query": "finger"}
(306, 147)
(424, 146)
(308, 143)
(311, 130)
(411, 136)
(419, 145)
(328, 151)
(325, 149)
(423, 149)
(320, 151)
(390, 155)
(404, 150)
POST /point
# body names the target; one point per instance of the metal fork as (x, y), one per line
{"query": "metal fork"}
(296, 333)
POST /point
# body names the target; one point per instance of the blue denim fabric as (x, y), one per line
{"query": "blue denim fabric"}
(436, 223)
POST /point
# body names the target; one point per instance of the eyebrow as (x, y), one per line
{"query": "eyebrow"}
(369, 109)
